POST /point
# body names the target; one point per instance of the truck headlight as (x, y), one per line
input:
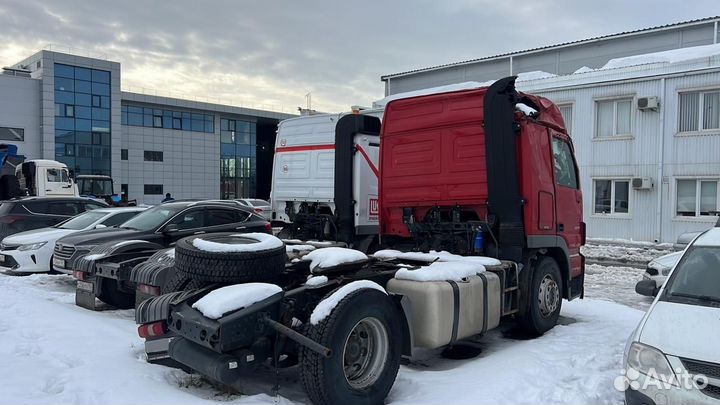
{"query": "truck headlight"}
(32, 246)
(651, 362)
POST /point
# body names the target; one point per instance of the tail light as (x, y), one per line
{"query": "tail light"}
(80, 275)
(9, 219)
(149, 289)
(155, 329)
(268, 227)
(258, 210)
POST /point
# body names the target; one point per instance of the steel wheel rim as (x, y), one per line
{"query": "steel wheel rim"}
(365, 352)
(549, 296)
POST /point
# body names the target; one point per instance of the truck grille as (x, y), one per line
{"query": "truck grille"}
(63, 252)
(700, 367)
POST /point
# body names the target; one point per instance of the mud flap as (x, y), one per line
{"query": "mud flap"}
(86, 292)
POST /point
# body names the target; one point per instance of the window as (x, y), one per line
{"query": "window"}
(123, 154)
(699, 111)
(612, 197)
(613, 118)
(12, 134)
(217, 217)
(168, 119)
(153, 189)
(64, 208)
(566, 110)
(89, 206)
(153, 156)
(565, 173)
(57, 176)
(118, 219)
(96, 102)
(157, 121)
(189, 220)
(696, 197)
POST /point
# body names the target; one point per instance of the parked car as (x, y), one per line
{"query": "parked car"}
(261, 207)
(135, 240)
(28, 213)
(32, 251)
(659, 268)
(676, 340)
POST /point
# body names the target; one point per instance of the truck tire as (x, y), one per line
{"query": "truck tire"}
(179, 281)
(544, 298)
(110, 294)
(9, 187)
(363, 331)
(228, 267)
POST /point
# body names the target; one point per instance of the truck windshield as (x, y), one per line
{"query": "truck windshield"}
(82, 221)
(96, 187)
(152, 218)
(697, 277)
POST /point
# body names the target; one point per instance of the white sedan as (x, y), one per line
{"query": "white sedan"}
(261, 207)
(32, 251)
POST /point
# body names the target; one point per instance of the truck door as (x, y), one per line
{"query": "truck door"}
(365, 183)
(568, 206)
(56, 183)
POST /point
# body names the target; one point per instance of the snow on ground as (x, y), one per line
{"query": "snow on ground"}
(636, 254)
(55, 352)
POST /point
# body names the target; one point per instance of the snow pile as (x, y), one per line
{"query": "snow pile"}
(325, 307)
(584, 69)
(534, 75)
(265, 241)
(527, 110)
(430, 90)
(622, 254)
(441, 271)
(233, 297)
(299, 248)
(443, 256)
(333, 256)
(313, 281)
(671, 56)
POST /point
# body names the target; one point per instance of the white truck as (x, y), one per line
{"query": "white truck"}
(45, 178)
(325, 183)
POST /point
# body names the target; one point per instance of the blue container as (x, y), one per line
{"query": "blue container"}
(478, 247)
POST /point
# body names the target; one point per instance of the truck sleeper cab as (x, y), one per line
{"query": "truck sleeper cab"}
(325, 177)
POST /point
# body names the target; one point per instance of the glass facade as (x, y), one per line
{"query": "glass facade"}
(237, 158)
(82, 119)
(168, 119)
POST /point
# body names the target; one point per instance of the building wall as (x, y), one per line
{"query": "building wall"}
(561, 59)
(20, 108)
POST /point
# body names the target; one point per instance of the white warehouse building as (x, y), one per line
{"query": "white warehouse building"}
(643, 109)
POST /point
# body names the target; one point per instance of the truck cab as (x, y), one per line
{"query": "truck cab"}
(46, 178)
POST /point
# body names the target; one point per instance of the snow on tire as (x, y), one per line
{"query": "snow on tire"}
(230, 257)
(363, 331)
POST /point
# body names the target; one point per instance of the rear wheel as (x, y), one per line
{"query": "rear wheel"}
(363, 332)
(110, 294)
(544, 297)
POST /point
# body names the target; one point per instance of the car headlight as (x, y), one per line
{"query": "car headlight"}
(32, 246)
(651, 362)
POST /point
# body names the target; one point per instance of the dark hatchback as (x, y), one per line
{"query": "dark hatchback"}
(137, 239)
(28, 213)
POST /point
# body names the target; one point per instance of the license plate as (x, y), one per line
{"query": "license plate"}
(59, 263)
(85, 286)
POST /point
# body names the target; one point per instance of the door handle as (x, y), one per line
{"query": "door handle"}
(561, 227)
(198, 232)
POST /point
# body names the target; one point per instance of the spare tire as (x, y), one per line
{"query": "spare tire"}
(230, 258)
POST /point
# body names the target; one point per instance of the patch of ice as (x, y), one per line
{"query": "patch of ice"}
(325, 307)
(333, 256)
(233, 297)
(441, 271)
(316, 280)
(435, 256)
(265, 241)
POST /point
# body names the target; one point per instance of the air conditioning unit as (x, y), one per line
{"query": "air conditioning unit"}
(642, 183)
(648, 103)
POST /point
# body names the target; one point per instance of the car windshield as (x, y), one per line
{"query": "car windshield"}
(152, 218)
(697, 276)
(82, 221)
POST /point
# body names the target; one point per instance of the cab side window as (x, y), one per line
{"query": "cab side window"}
(565, 171)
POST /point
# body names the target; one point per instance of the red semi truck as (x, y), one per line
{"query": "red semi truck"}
(487, 174)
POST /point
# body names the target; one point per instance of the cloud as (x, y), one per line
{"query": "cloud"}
(273, 53)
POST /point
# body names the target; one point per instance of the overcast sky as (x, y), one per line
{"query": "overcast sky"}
(274, 52)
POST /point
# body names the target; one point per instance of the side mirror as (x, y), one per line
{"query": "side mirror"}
(647, 288)
(100, 226)
(172, 228)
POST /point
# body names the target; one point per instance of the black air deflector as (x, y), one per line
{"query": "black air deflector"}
(504, 197)
(345, 130)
